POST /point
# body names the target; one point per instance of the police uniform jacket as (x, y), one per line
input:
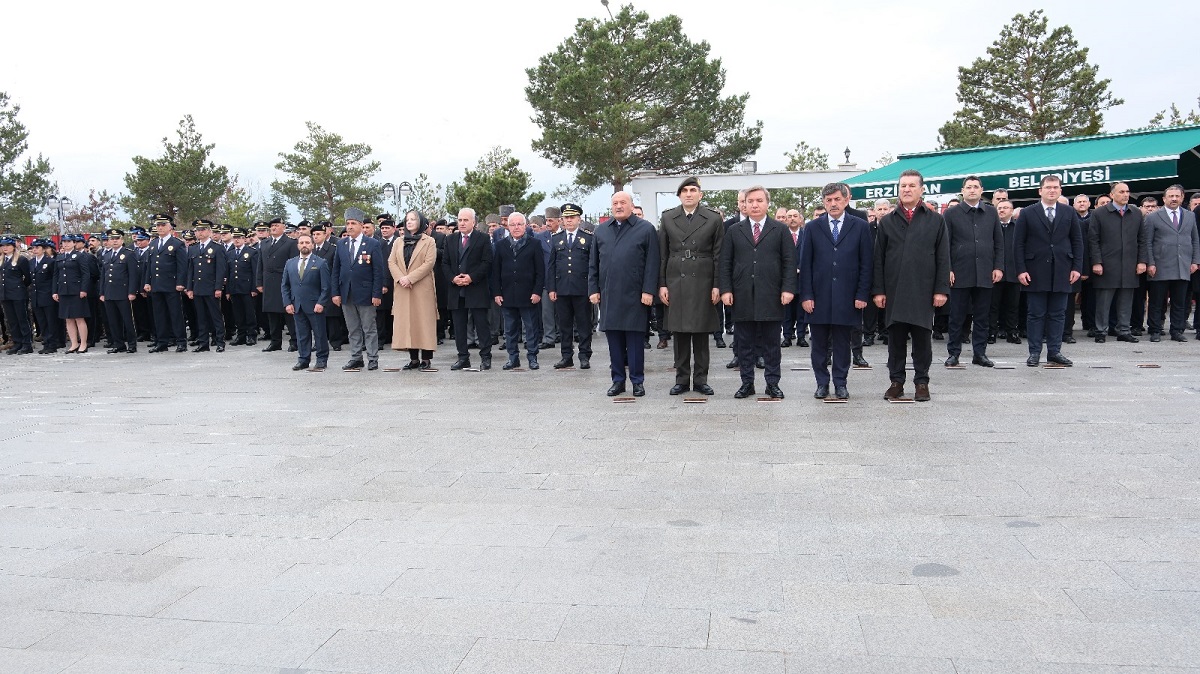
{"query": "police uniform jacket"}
(690, 255)
(241, 273)
(76, 272)
(271, 260)
(15, 279)
(166, 264)
(42, 281)
(568, 265)
(976, 244)
(518, 273)
(207, 266)
(119, 275)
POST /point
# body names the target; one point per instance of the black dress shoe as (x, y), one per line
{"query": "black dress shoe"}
(745, 391)
(250, 341)
(354, 365)
(23, 350)
(533, 364)
(1178, 337)
(616, 389)
(785, 343)
(272, 347)
(802, 342)
(1032, 361)
(721, 343)
(299, 366)
(220, 348)
(240, 341)
(991, 339)
(564, 363)
(411, 365)
(153, 349)
(733, 364)
(774, 391)
(117, 349)
(952, 361)
(859, 361)
(841, 393)
(822, 392)
(1128, 338)
(292, 348)
(547, 345)
(938, 336)
(761, 363)
(870, 341)
(678, 389)
(461, 363)
(511, 363)
(704, 389)
(201, 348)
(982, 361)
(131, 349)
(639, 390)
(485, 362)
(584, 363)
(1068, 339)
(183, 349)
(1100, 338)
(320, 366)
(1013, 339)
(373, 365)
(472, 345)
(1155, 337)
(1059, 358)
(1137, 332)
(647, 344)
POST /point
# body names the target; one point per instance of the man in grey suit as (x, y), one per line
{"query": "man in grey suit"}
(1173, 245)
(305, 288)
(689, 244)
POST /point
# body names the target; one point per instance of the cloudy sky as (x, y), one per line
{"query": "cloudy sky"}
(432, 86)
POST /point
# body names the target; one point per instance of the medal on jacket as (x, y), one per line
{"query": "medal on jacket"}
(170, 248)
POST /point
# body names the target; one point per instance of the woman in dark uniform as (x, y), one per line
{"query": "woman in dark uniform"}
(73, 282)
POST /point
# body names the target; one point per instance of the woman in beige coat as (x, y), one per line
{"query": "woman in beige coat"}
(414, 302)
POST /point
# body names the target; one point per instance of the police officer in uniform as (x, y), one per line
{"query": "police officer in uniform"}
(41, 294)
(143, 321)
(75, 278)
(118, 286)
(164, 277)
(567, 287)
(240, 287)
(205, 281)
(15, 277)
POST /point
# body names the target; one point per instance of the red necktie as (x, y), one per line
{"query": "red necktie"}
(908, 213)
(757, 231)
(465, 239)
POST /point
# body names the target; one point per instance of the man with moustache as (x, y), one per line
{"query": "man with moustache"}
(467, 263)
(119, 283)
(306, 289)
(1117, 250)
(358, 289)
(273, 253)
(567, 287)
(163, 277)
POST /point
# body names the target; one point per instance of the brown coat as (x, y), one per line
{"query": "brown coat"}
(414, 309)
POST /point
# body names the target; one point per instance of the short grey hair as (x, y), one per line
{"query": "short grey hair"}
(882, 202)
(469, 210)
(517, 214)
(835, 188)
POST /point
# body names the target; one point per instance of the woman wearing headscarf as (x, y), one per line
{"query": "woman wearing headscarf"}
(414, 304)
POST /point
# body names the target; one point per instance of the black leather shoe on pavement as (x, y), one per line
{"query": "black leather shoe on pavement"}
(704, 389)
(982, 361)
(841, 393)
(533, 364)
(584, 363)
(461, 363)
(859, 361)
(1128, 338)
(1059, 359)
(951, 361)
(639, 390)
(774, 391)
(354, 365)
(821, 393)
(299, 366)
(721, 343)
(373, 365)
(564, 363)
(511, 363)
(616, 389)
(745, 391)
(678, 389)
(732, 365)
(1032, 361)
(485, 363)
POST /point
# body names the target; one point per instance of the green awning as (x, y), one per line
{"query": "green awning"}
(1093, 160)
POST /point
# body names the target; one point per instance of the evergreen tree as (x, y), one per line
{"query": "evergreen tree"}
(184, 182)
(326, 175)
(496, 180)
(23, 185)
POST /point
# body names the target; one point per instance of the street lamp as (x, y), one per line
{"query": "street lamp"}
(396, 194)
(605, 3)
(749, 166)
(847, 154)
(58, 207)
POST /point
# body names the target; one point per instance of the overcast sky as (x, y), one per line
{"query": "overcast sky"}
(432, 86)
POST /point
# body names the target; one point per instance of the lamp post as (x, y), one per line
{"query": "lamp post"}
(397, 194)
(58, 206)
(605, 3)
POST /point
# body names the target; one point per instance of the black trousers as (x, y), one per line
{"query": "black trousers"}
(275, 323)
(49, 326)
(16, 315)
(824, 339)
(119, 313)
(922, 352)
(978, 303)
(242, 307)
(1137, 317)
(1180, 299)
(168, 318)
(143, 319)
(383, 318)
(872, 320)
(228, 319)
(573, 313)
(1087, 306)
(210, 323)
(1006, 301)
(335, 325)
(483, 328)
(189, 316)
(754, 338)
(689, 345)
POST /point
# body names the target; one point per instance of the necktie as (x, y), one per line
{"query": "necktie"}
(689, 216)
(570, 239)
(757, 231)
(796, 237)
(303, 263)
(835, 230)
(1175, 219)
(1121, 210)
(908, 213)
(353, 250)
(1050, 214)
(465, 241)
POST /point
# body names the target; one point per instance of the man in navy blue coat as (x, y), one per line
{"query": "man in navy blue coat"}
(358, 278)
(306, 288)
(836, 263)
(1048, 252)
(518, 279)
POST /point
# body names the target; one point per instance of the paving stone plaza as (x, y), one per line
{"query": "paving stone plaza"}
(220, 513)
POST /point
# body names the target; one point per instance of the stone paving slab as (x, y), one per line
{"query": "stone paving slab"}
(219, 513)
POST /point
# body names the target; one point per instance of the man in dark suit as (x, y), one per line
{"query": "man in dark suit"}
(835, 285)
(306, 289)
(518, 279)
(41, 295)
(241, 286)
(163, 277)
(467, 262)
(622, 280)
(207, 271)
(143, 317)
(119, 283)
(358, 276)
(1117, 251)
(1048, 250)
(757, 278)
(689, 244)
(274, 252)
(976, 263)
(325, 247)
(567, 287)
(795, 327)
(723, 311)
(1174, 255)
(1006, 295)
(387, 238)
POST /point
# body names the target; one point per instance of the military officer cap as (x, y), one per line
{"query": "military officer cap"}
(140, 234)
(355, 214)
(42, 243)
(202, 224)
(7, 241)
(164, 219)
(326, 224)
(387, 222)
(238, 231)
(276, 221)
(115, 233)
(690, 180)
(289, 228)
(570, 209)
(319, 227)
(383, 216)
(304, 223)
(552, 212)
(189, 235)
(223, 229)
(261, 226)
